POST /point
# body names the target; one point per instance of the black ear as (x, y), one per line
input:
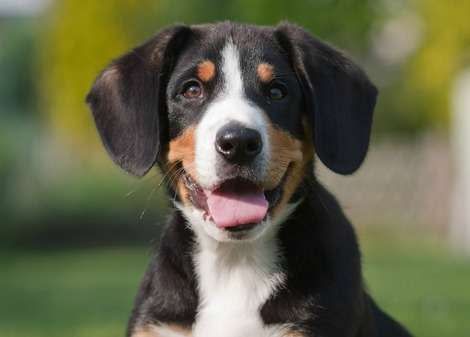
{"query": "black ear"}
(339, 98)
(128, 102)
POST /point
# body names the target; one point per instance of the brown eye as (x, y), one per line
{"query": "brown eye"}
(192, 90)
(277, 91)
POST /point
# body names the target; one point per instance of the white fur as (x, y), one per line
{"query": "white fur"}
(234, 281)
(236, 278)
(230, 105)
(163, 331)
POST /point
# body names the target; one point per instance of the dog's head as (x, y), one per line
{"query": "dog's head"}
(233, 114)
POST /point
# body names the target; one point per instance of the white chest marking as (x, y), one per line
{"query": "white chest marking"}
(235, 280)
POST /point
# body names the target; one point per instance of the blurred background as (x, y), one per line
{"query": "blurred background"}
(75, 231)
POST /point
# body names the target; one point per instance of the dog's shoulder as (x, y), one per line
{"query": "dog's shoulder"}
(167, 292)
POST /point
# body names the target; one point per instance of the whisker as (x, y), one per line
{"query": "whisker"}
(140, 184)
(155, 189)
(168, 173)
(170, 177)
(147, 203)
(174, 174)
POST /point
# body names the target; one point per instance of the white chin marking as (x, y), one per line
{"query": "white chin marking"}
(231, 105)
(207, 230)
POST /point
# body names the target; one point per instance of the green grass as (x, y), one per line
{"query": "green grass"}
(420, 283)
(85, 293)
(89, 292)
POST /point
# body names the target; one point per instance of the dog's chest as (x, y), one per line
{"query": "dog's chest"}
(234, 281)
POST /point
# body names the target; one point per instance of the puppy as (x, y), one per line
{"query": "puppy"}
(233, 115)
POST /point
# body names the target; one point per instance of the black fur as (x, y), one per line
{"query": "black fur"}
(168, 291)
(127, 104)
(141, 110)
(339, 98)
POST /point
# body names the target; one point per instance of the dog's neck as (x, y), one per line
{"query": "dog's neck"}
(249, 280)
(239, 277)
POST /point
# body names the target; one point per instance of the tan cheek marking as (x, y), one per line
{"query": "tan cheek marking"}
(183, 192)
(153, 331)
(285, 149)
(181, 150)
(206, 71)
(265, 72)
(181, 330)
(294, 334)
(296, 173)
(182, 146)
(144, 334)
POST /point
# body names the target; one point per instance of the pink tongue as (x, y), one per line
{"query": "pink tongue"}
(230, 208)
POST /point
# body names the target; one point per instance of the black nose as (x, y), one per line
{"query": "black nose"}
(238, 144)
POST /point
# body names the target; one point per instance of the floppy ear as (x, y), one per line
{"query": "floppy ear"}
(128, 100)
(339, 98)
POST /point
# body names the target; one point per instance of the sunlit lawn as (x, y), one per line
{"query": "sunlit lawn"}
(89, 292)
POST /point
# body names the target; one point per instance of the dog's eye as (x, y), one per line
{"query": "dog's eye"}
(277, 91)
(192, 90)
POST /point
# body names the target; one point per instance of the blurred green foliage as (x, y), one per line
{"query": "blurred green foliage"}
(416, 96)
(54, 173)
(18, 94)
(444, 51)
(82, 209)
(80, 38)
(58, 185)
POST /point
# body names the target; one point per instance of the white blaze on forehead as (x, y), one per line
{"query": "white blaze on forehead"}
(231, 105)
(231, 70)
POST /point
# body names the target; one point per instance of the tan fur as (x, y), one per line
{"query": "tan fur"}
(153, 331)
(294, 334)
(285, 150)
(206, 71)
(141, 333)
(291, 155)
(181, 330)
(265, 72)
(181, 150)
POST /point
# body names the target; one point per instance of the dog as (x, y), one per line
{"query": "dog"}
(233, 115)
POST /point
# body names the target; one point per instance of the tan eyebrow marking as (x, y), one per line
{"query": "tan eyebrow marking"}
(265, 72)
(206, 71)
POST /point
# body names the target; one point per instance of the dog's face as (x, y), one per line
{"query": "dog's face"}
(234, 107)
(232, 114)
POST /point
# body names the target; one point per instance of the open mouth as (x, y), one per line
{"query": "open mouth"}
(236, 204)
